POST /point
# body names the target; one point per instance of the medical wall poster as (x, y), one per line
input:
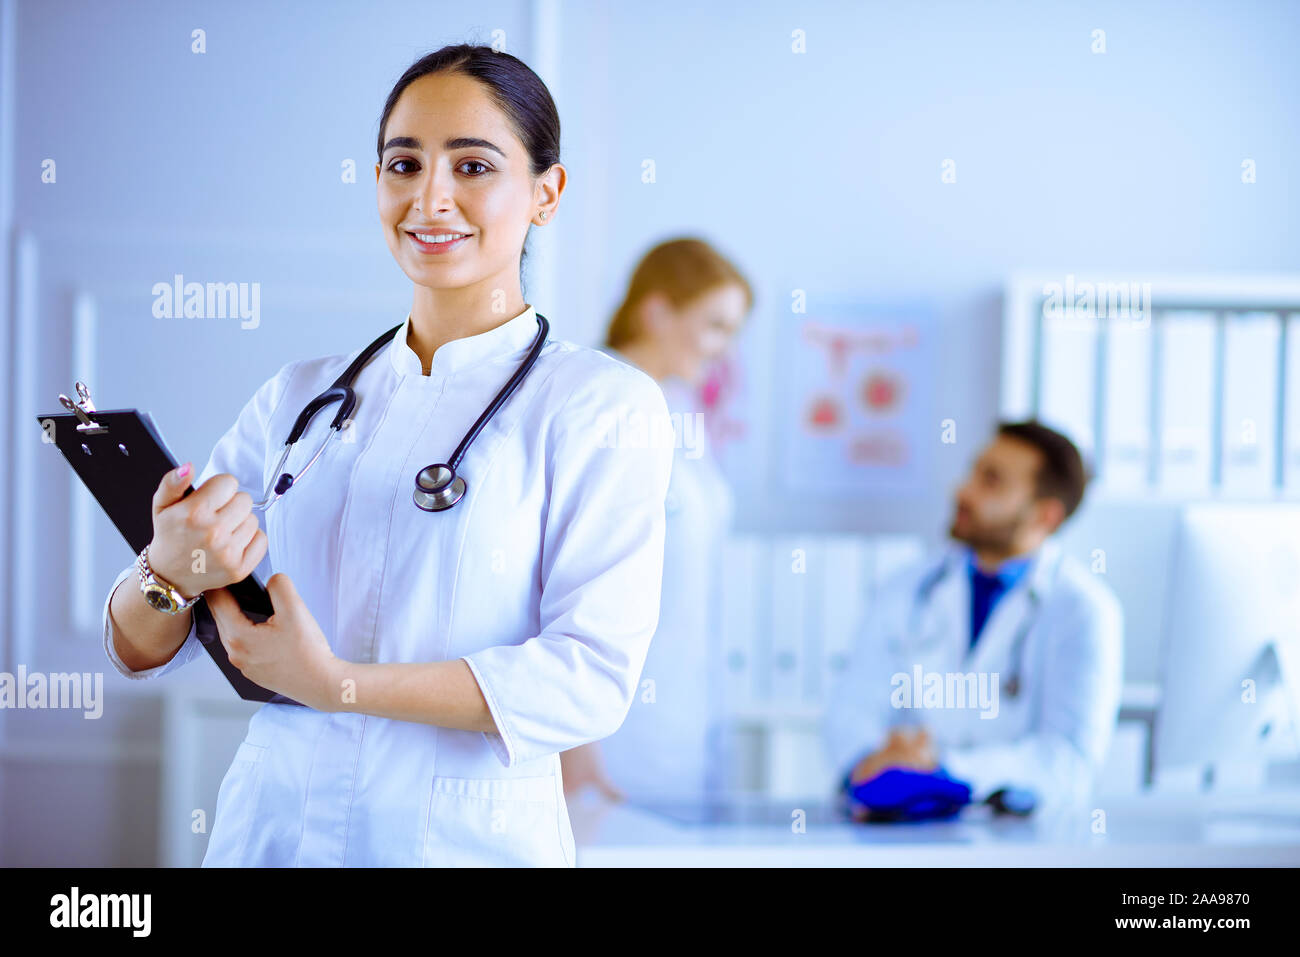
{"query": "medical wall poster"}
(857, 403)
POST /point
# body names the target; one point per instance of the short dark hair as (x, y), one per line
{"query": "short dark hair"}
(1063, 475)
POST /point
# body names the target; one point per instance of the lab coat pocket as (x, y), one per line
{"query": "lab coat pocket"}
(497, 822)
(236, 807)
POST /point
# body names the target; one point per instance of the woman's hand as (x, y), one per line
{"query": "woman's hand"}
(208, 539)
(287, 653)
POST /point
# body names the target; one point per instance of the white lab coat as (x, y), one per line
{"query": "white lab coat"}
(1052, 736)
(669, 748)
(545, 579)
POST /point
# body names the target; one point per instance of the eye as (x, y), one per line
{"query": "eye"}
(393, 167)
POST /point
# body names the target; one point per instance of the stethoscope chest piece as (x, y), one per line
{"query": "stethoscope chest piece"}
(438, 488)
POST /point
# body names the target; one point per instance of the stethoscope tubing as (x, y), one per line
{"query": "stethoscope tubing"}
(931, 581)
(342, 392)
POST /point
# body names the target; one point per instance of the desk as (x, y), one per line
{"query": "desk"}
(1147, 830)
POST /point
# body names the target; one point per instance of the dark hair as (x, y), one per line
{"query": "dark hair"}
(517, 90)
(1062, 475)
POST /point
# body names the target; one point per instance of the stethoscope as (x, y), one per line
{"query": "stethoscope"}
(1012, 685)
(437, 487)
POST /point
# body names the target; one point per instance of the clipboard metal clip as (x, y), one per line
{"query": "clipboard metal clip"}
(88, 426)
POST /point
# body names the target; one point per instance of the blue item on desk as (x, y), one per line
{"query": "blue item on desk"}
(901, 794)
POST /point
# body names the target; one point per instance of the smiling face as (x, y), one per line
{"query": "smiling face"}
(700, 331)
(452, 164)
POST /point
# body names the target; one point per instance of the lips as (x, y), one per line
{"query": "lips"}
(436, 248)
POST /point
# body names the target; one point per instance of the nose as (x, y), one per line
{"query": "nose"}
(435, 190)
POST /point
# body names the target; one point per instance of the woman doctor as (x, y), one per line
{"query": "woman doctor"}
(682, 309)
(446, 657)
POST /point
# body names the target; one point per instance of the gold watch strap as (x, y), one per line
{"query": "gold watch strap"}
(147, 571)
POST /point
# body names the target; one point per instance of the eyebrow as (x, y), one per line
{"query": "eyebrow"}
(456, 143)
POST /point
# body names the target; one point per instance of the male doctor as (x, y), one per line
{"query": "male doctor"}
(999, 660)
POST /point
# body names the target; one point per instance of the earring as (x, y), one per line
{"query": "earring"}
(543, 214)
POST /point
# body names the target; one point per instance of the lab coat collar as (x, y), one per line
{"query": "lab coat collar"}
(504, 341)
(1043, 572)
(1038, 576)
(1007, 574)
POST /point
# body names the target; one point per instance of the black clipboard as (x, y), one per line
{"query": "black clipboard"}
(120, 457)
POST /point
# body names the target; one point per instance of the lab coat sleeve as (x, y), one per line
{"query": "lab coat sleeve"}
(242, 452)
(858, 714)
(601, 567)
(1079, 705)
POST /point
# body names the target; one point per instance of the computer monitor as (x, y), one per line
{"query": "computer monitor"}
(1230, 685)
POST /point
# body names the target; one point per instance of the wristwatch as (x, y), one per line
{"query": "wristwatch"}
(158, 592)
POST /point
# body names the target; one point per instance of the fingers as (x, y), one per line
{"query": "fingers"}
(254, 553)
(224, 610)
(241, 536)
(234, 527)
(869, 767)
(921, 748)
(222, 604)
(172, 486)
(284, 596)
(914, 742)
(215, 493)
(233, 626)
(220, 601)
(249, 541)
(233, 513)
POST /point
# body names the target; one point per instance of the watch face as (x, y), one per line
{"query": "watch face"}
(158, 598)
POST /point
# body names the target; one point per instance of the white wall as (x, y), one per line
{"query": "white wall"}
(1066, 160)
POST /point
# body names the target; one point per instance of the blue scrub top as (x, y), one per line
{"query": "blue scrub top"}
(986, 589)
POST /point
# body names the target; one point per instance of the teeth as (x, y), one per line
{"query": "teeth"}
(440, 238)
